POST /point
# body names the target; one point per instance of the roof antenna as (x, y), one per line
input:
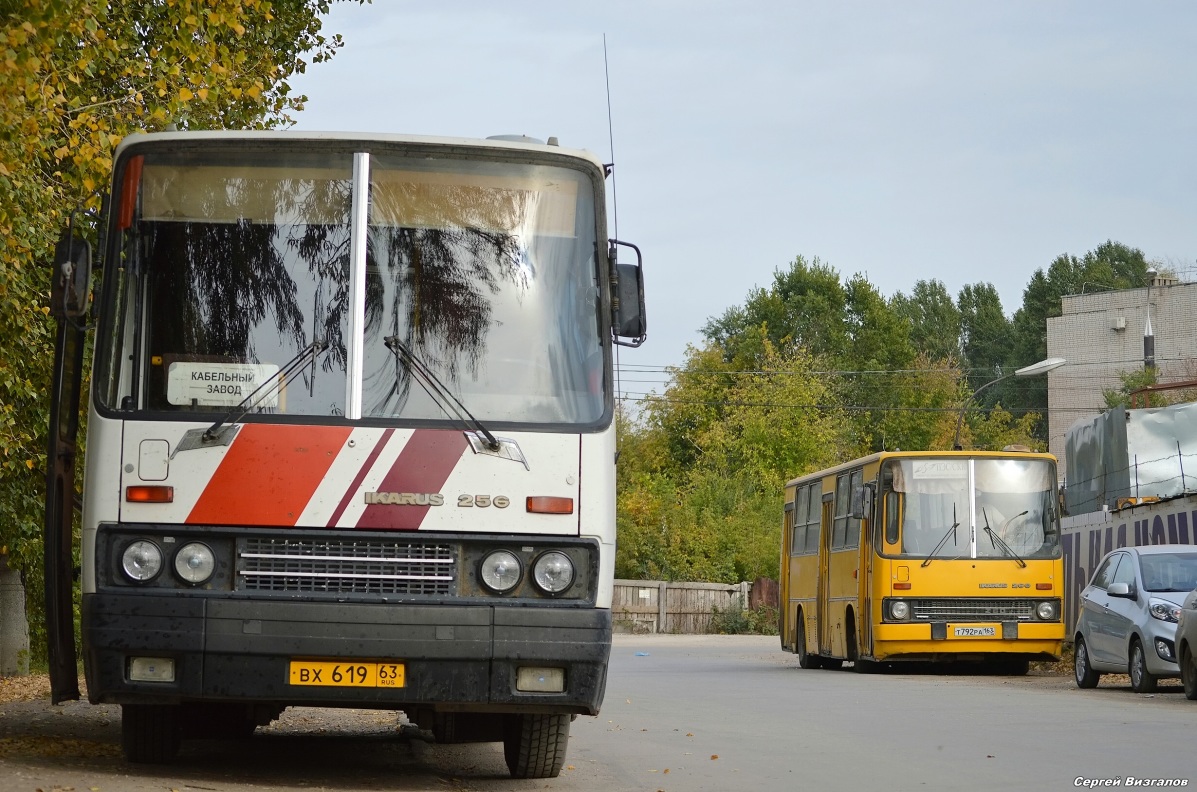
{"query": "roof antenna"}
(610, 169)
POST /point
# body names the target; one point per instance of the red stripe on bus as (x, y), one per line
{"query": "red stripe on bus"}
(361, 475)
(423, 467)
(269, 474)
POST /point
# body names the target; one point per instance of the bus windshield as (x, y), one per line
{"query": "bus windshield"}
(235, 272)
(976, 508)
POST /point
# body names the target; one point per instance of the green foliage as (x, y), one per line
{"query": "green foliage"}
(1136, 391)
(77, 76)
(1110, 266)
(817, 370)
(736, 619)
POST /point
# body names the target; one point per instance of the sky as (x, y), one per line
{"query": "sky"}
(964, 142)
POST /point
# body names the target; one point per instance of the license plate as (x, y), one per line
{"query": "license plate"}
(975, 632)
(326, 673)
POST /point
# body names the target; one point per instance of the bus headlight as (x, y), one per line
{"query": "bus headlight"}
(500, 571)
(141, 561)
(899, 610)
(1046, 611)
(194, 563)
(553, 572)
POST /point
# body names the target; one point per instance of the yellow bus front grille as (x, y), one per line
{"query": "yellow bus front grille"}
(955, 609)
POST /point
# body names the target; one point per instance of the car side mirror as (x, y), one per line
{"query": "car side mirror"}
(1124, 590)
(70, 284)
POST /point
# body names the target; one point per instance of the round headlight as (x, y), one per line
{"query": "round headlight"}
(1046, 611)
(500, 571)
(194, 563)
(899, 609)
(553, 572)
(141, 561)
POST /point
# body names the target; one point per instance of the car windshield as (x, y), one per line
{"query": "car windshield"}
(1169, 571)
(231, 263)
(977, 508)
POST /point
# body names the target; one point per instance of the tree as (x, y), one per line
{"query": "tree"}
(77, 76)
(1111, 265)
(700, 497)
(933, 318)
(984, 336)
(805, 308)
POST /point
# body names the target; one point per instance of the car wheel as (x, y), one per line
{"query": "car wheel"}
(1141, 679)
(1188, 674)
(1085, 676)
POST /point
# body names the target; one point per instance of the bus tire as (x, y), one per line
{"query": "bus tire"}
(805, 658)
(534, 745)
(832, 663)
(150, 733)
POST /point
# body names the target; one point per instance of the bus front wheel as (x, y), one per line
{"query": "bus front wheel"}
(150, 734)
(534, 745)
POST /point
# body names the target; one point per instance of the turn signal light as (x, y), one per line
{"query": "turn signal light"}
(902, 587)
(1043, 586)
(150, 494)
(547, 504)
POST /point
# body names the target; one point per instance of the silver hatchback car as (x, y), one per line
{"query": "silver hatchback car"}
(1128, 615)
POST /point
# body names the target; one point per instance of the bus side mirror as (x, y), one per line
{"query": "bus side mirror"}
(70, 284)
(627, 298)
(861, 507)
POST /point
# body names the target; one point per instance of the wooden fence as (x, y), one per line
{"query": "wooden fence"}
(658, 606)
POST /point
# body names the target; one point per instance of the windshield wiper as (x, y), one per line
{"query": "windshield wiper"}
(995, 538)
(437, 391)
(950, 532)
(255, 398)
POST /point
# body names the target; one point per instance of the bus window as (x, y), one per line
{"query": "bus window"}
(795, 530)
(840, 530)
(814, 518)
(852, 539)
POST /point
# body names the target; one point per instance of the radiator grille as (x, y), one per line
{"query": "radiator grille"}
(973, 609)
(358, 566)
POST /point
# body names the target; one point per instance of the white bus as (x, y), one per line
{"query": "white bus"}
(350, 437)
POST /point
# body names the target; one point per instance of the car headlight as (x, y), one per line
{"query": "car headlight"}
(1046, 610)
(899, 609)
(500, 571)
(1164, 610)
(141, 561)
(195, 563)
(553, 572)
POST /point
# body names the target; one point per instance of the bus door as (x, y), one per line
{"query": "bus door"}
(863, 510)
(823, 606)
(71, 282)
(786, 628)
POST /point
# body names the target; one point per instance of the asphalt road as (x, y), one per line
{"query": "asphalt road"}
(681, 713)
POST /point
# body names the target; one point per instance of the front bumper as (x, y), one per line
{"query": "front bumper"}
(455, 657)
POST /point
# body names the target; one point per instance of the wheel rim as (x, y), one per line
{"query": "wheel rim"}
(1136, 669)
(1081, 661)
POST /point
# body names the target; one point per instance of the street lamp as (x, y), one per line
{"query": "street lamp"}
(1033, 370)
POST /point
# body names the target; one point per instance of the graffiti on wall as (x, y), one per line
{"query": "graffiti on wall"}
(1088, 538)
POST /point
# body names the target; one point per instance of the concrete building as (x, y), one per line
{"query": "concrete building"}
(1101, 335)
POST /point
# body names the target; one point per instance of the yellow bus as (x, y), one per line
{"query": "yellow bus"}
(924, 556)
